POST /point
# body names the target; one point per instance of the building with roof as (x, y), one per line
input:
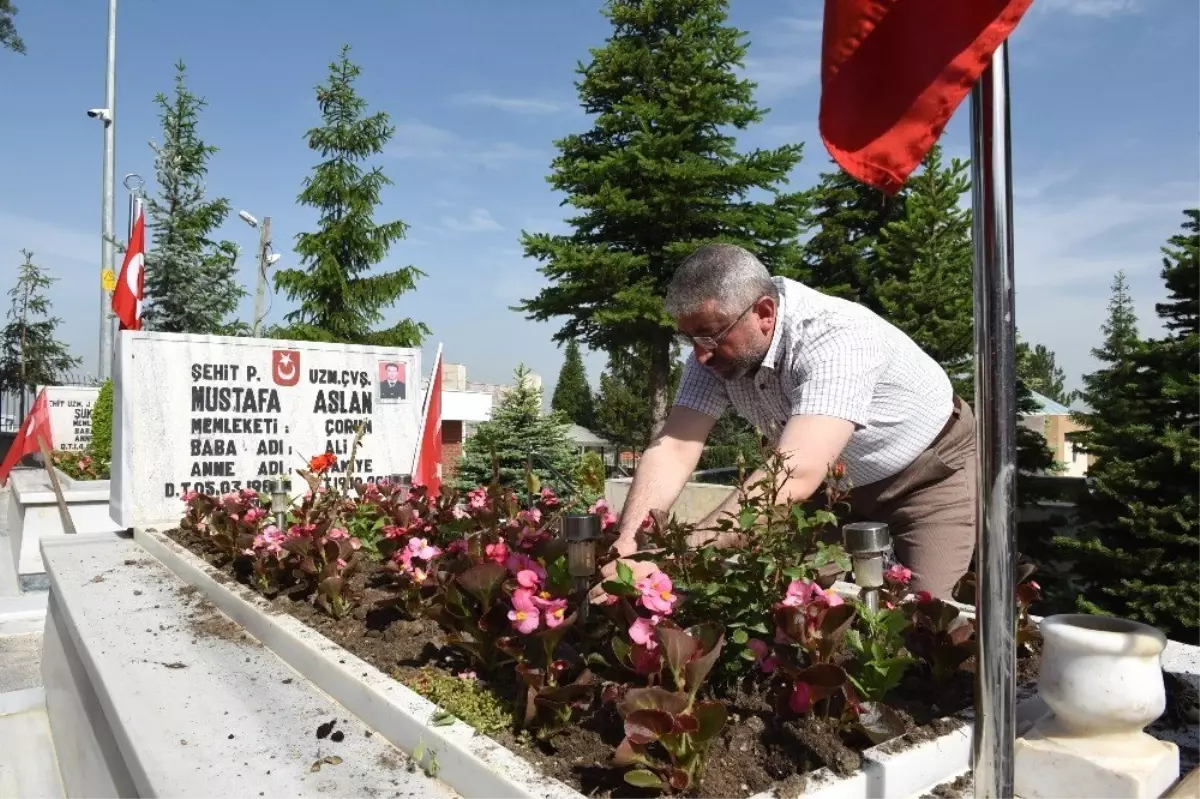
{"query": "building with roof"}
(1053, 420)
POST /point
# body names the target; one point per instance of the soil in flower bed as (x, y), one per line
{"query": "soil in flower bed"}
(757, 749)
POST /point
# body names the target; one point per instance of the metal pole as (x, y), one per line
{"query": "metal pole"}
(996, 411)
(264, 247)
(107, 251)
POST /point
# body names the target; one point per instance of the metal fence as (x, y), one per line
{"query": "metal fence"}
(14, 404)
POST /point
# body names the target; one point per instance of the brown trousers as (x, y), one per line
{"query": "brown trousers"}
(930, 507)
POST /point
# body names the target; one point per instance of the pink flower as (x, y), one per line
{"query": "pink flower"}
(420, 548)
(248, 493)
(555, 611)
(519, 562)
(337, 533)
(467, 676)
(657, 596)
(456, 547)
(524, 615)
(924, 596)
(601, 509)
(763, 657)
(477, 499)
(642, 631)
(392, 531)
(254, 514)
(528, 578)
(301, 530)
(802, 593)
(548, 499)
(497, 553)
(897, 575)
(530, 516)
(341, 564)
(458, 513)
(801, 699)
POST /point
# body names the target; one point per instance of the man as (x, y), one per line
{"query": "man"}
(391, 387)
(826, 380)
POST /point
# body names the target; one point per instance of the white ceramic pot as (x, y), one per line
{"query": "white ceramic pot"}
(1101, 675)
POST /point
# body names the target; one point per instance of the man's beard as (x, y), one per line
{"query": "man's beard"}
(736, 367)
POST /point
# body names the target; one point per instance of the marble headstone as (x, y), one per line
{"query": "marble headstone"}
(217, 414)
(71, 415)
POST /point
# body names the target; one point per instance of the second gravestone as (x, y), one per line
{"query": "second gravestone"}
(216, 414)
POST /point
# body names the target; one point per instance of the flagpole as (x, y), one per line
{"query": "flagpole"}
(996, 411)
(107, 251)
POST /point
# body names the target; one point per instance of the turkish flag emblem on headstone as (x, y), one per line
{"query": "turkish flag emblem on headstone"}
(285, 367)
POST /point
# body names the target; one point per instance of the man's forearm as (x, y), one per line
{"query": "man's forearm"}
(661, 474)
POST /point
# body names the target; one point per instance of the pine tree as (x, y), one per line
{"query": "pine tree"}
(1137, 557)
(572, 394)
(847, 217)
(1043, 374)
(340, 299)
(656, 177)
(516, 429)
(191, 280)
(623, 413)
(9, 38)
(921, 279)
(30, 355)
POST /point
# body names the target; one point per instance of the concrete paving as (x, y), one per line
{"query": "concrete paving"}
(20, 662)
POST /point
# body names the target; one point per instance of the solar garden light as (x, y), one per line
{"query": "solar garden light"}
(868, 544)
(280, 491)
(581, 532)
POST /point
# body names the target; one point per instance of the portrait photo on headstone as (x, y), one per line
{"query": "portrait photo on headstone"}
(391, 382)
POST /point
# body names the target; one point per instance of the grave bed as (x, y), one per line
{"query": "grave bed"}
(476, 765)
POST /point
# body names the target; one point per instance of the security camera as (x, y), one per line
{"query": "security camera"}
(272, 258)
(248, 219)
(100, 113)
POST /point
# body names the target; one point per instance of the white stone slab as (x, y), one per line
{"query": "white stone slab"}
(182, 402)
(143, 673)
(28, 766)
(71, 415)
(33, 515)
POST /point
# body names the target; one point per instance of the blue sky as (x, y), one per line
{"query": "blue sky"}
(1105, 112)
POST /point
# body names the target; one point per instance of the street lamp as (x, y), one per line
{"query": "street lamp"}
(266, 258)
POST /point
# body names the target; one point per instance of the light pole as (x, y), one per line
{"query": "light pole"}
(107, 261)
(265, 259)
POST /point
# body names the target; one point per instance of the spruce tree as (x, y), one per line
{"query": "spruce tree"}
(623, 414)
(572, 394)
(516, 429)
(9, 38)
(921, 278)
(656, 177)
(191, 280)
(30, 354)
(1138, 556)
(846, 218)
(340, 299)
(1043, 374)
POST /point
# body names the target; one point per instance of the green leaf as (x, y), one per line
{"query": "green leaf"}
(442, 718)
(619, 589)
(641, 778)
(747, 518)
(748, 654)
(624, 574)
(712, 717)
(739, 636)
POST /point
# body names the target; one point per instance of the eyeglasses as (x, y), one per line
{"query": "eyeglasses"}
(710, 343)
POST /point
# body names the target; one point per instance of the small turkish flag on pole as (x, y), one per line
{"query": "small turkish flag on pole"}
(127, 297)
(894, 71)
(428, 469)
(36, 424)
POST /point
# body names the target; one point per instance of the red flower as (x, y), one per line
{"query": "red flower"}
(320, 464)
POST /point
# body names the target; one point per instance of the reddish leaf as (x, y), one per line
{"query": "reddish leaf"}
(678, 645)
(699, 668)
(646, 726)
(482, 581)
(652, 699)
(627, 753)
(686, 722)
(678, 780)
(712, 717)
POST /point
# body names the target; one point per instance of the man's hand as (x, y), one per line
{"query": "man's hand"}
(640, 569)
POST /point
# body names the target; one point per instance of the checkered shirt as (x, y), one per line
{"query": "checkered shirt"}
(832, 357)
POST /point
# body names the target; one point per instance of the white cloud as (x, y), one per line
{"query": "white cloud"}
(515, 105)
(478, 220)
(1090, 8)
(418, 140)
(781, 75)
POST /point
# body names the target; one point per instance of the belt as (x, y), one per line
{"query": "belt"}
(955, 413)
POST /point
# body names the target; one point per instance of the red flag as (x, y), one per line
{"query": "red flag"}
(428, 471)
(127, 297)
(894, 71)
(36, 424)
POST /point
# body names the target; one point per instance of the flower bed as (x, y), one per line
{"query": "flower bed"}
(693, 672)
